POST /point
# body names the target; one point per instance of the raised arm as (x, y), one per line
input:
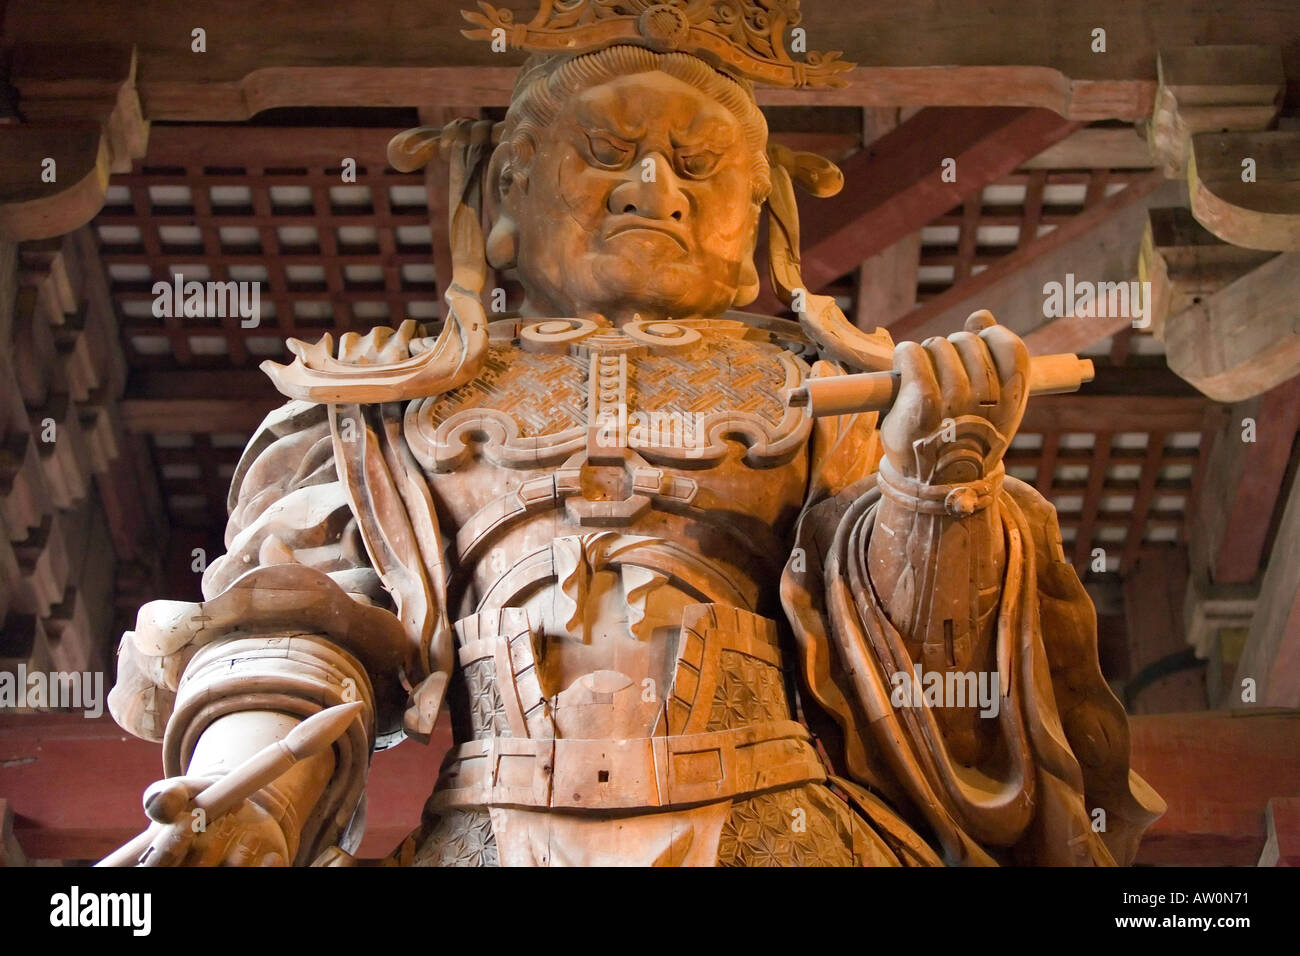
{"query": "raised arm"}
(942, 628)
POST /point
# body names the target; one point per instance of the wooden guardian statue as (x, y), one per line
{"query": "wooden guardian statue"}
(693, 586)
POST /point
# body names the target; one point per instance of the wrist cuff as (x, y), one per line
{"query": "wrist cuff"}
(960, 500)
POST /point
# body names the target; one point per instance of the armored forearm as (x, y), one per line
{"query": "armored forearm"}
(936, 559)
(293, 622)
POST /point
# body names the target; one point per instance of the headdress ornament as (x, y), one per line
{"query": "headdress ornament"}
(745, 38)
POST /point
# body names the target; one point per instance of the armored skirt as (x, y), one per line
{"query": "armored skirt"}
(733, 782)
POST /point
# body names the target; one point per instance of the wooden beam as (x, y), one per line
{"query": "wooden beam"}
(1271, 657)
(1119, 413)
(887, 280)
(31, 208)
(1012, 270)
(1282, 819)
(887, 284)
(895, 186)
(1153, 607)
(1213, 110)
(1257, 208)
(200, 384)
(262, 146)
(195, 416)
(1095, 148)
(1243, 339)
(1073, 334)
(1243, 482)
(999, 53)
(198, 401)
(80, 111)
(1030, 87)
(378, 52)
(1218, 87)
(1185, 262)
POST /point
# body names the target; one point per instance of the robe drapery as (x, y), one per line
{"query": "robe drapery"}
(1060, 791)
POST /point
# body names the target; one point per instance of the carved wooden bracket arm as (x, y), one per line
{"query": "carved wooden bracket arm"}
(80, 120)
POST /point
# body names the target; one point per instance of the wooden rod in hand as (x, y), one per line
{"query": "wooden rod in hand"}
(876, 391)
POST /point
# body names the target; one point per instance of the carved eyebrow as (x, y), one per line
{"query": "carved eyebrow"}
(705, 131)
(593, 116)
(612, 132)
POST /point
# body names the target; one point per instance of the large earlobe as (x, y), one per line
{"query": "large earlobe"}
(503, 242)
(747, 284)
(748, 288)
(502, 246)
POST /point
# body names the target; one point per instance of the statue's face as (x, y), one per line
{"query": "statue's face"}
(639, 200)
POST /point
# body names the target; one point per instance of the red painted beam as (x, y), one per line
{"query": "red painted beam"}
(1217, 771)
(1262, 468)
(1026, 255)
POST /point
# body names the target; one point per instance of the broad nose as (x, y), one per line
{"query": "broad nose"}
(650, 189)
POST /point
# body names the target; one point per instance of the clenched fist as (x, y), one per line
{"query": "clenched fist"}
(952, 390)
(245, 836)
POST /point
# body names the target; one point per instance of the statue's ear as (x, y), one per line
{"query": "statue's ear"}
(503, 234)
(748, 284)
(748, 287)
(503, 242)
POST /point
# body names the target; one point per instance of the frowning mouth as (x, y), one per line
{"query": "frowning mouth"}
(619, 226)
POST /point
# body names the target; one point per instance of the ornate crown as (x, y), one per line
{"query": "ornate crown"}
(744, 37)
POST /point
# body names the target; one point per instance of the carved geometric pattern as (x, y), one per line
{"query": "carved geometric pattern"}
(749, 692)
(459, 838)
(545, 394)
(479, 697)
(767, 829)
(735, 375)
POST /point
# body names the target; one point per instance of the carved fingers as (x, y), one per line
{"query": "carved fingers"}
(1010, 361)
(182, 834)
(980, 372)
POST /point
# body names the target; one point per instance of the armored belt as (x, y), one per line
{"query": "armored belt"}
(641, 773)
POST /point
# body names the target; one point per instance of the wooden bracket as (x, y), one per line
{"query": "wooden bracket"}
(1211, 124)
(80, 121)
(1211, 89)
(1186, 263)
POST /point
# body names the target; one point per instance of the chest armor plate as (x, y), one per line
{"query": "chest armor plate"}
(673, 393)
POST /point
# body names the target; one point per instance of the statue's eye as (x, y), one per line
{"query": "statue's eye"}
(698, 164)
(608, 152)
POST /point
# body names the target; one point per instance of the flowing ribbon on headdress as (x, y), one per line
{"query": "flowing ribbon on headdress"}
(378, 366)
(835, 336)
